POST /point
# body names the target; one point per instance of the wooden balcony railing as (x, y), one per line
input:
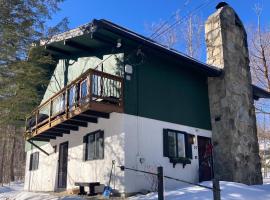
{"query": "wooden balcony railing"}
(93, 90)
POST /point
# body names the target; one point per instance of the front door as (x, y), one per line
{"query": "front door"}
(62, 165)
(205, 158)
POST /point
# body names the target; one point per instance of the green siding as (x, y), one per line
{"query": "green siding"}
(169, 92)
(76, 68)
(29, 146)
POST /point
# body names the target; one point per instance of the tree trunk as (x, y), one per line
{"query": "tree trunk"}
(12, 176)
(3, 160)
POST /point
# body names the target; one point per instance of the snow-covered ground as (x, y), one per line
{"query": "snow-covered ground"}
(15, 192)
(229, 191)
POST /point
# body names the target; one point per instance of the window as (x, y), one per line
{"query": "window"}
(177, 144)
(34, 159)
(94, 145)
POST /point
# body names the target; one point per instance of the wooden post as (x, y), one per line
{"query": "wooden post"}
(67, 103)
(37, 113)
(90, 85)
(216, 189)
(160, 183)
(50, 112)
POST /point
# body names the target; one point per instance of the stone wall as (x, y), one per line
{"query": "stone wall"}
(236, 152)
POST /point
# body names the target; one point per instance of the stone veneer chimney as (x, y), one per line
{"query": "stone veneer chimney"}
(236, 150)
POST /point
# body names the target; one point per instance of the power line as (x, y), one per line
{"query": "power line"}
(167, 21)
(206, 3)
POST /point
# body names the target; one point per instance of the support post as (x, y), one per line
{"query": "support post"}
(50, 112)
(160, 183)
(32, 143)
(67, 102)
(216, 189)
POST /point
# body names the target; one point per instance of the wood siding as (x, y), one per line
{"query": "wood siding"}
(167, 91)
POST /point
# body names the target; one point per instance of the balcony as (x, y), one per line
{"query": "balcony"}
(92, 95)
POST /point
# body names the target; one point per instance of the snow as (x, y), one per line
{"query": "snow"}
(229, 191)
(14, 191)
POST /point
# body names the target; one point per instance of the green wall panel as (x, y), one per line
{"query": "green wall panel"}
(169, 92)
(28, 146)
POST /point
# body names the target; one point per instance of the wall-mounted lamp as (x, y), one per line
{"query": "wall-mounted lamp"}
(119, 43)
(128, 69)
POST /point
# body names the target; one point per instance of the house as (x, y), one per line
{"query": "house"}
(118, 96)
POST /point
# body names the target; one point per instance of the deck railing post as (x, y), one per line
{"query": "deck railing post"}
(160, 183)
(67, 103)
(50, 112)
(89, 86)
(37, 112)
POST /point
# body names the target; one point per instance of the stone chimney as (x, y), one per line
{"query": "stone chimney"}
(236, 150)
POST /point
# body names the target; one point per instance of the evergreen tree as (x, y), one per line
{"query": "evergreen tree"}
(25, 70)
(22, 23)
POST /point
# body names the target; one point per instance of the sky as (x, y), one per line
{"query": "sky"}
(134, 14)
(137, 14)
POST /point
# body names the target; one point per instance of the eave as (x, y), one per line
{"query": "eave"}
(68, 44)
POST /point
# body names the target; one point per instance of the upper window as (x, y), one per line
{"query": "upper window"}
(177, 144)
(94, 145)
(34, 160)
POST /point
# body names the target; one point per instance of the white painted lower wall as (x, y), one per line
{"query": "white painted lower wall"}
(144, 142)
(45, 178)
(135, 142)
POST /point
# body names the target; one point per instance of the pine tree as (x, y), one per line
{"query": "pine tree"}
(24, 70)
(22, 23)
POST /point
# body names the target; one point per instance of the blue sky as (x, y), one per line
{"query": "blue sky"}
(134, 14)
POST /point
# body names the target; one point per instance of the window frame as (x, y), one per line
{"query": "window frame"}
(98, 153)
(187, 145)
(34, 161)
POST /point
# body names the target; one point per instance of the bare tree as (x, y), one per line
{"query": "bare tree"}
(259, 54)
(259, 50)
(192, 33)
(187, 34)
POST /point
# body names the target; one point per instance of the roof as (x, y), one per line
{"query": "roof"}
(87, 37)
(93, 34)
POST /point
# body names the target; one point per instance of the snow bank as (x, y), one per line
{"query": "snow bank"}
(229, 191)
(15, 192)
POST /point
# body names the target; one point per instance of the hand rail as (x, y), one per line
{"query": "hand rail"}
(99, 87)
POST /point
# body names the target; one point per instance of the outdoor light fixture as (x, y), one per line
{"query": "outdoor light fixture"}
(119, 44)
(128, 69)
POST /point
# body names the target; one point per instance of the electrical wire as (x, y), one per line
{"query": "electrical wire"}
(167, 21)
(181, 20)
